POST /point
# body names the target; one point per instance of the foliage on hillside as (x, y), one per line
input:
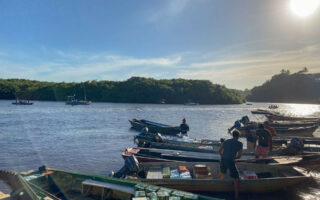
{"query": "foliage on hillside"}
(133, 90)
(291, 88)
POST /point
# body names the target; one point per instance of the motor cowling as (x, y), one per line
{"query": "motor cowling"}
(131, 166)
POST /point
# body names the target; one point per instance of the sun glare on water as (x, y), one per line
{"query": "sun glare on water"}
(304, 8)
(303, 109)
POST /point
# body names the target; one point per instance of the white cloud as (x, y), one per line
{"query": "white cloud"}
(245, 72)
(68, 66)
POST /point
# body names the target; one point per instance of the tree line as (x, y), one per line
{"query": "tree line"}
(133, 90)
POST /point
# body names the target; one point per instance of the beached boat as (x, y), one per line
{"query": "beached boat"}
(176, 143)
(22, 102)
(307, 160)
(289, 131)
(278, 117)
(263, 112)
(289, 124)
(154, 127)
(255, 178)
(59, 184)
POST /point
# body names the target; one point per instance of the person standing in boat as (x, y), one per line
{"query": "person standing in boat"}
(264, 142)
(184, 128)
(230, 150)
(271, 130)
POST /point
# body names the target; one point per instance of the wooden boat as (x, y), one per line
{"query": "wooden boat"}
(22, 102)
(167, 155)
(286, 139)
(288, 131)
(288, 124)
(176, 143)
(154, 127)
(56, 184)
(278, 117)
(268, 178)
(264, 112)
(307, 160)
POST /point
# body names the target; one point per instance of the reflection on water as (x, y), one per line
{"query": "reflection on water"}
(91, 138)
(299, 109)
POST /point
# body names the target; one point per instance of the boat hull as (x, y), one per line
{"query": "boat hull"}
(283, 177)
(169, 130)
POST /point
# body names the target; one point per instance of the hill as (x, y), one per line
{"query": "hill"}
(298, 87)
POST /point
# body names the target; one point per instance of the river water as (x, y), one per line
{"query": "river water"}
(91, 138)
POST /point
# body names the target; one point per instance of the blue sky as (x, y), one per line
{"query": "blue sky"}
(240, 44)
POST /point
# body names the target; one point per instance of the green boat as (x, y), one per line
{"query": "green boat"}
(53, 184)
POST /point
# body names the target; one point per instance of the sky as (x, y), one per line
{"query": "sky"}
(239, 44)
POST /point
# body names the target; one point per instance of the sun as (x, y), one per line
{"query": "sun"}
(304, 8)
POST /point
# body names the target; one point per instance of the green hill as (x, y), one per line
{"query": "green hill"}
(133, 90)
(299, 87)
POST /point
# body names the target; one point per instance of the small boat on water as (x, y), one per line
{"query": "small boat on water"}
(154, 127)
(72, 100)
(53, 184)
(22, 102)
(203, 177)
(191, 104)
(273, 106)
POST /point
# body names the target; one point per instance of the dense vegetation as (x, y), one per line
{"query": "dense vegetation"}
(299, 87)
(133, 90)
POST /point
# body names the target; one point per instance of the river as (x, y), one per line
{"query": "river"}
(91, 138)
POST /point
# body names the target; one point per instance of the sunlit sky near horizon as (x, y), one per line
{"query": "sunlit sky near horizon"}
(240, 44)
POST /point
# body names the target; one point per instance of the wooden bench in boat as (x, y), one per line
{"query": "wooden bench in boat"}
(103, 185)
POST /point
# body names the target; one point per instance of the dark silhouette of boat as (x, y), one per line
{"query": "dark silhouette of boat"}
(22, 102)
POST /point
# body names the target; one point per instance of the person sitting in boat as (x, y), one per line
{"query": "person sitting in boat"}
(230, 150)
(264, 142)
(184, 128)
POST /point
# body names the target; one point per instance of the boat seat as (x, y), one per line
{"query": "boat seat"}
(104, 185)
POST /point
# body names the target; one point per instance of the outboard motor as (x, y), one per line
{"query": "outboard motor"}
(144, 131)
(295, 147)
(158, 137)
(245, 119)
(131, 166)
(296, 144)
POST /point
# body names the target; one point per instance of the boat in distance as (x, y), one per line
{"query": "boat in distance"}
(268, 178)
(53, 184)
(22, 102)
(72, 100)
(154, 127)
